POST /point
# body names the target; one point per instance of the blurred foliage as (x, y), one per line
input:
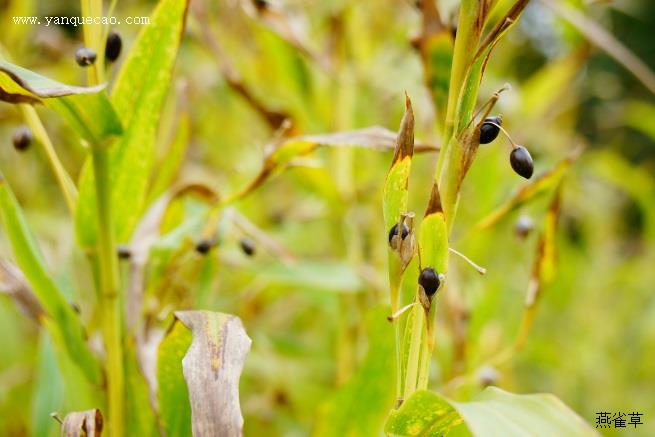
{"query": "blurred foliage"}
(591, 344)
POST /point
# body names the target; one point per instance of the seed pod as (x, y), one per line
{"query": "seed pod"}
(523, 226)
(22, 138)
(521, 162)
(429, 280)
(394, 232)
(490, 129)
(204, 246)
(85, 56)
(248, 246)
(113, 46)
(123, 251)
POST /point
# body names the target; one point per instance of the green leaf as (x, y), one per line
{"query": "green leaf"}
(335, 277)
(91, 115)
(88, 110)
(173, 396)
(493, 412)
(20, 85)
(61, 319)
(360, 406)
(138, 96)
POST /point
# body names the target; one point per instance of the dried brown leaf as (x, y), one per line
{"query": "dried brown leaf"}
(82, 424)
(212, 367)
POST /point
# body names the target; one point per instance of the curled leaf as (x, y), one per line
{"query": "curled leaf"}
(82, 423)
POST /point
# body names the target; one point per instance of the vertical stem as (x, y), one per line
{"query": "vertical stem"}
(107, 262)
(109, 297)
(413, 360)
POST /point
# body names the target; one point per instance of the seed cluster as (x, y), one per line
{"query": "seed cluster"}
(519, 158)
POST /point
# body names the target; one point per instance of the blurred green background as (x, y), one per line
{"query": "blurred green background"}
(593, 343)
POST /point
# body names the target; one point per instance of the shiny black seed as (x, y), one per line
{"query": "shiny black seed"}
(113, 46)
(490, 129)
(521, 162)
(22, 138)
(394, 231)
(123, 251)
(248, 246)
(204, 246)
(85, 56)
(429, 280)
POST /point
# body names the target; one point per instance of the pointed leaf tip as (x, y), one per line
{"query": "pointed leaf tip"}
(434, 204)
(405, 140)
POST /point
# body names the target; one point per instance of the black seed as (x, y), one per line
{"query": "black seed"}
(123, 251)
(490, 129)
(429, 280)
(248, 246)
(85, 56)
(521, 162)
(523, 226)
(394, 231)
(113, 46)
(261, 4)
(203, 246)
(22, 138)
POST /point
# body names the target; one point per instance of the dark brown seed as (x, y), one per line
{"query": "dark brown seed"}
(261, 4)
(429, 280)
(248, 246)
(490, 129)
(85, 56)
(123, 251)
(22, 138)
(204, 246)
(113, 46)
(521, 162)
(394, 231)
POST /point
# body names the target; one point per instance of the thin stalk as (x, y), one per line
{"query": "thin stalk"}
(109, 292)
(63, 179)
(107, 262)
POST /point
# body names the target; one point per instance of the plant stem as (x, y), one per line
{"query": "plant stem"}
(109, 298)
(106, 261)
(413, 360)
(66, 184)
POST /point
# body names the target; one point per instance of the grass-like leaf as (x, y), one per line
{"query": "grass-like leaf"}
(138, 96)
(493, 412)
(66, 325)
(360, 406)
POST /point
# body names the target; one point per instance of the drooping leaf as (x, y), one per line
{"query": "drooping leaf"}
(212, 367)
(360, 406)
(493, 412)
(138, 96)
(64, 322)
(88, 110)
(82, 423)
(20, 85)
